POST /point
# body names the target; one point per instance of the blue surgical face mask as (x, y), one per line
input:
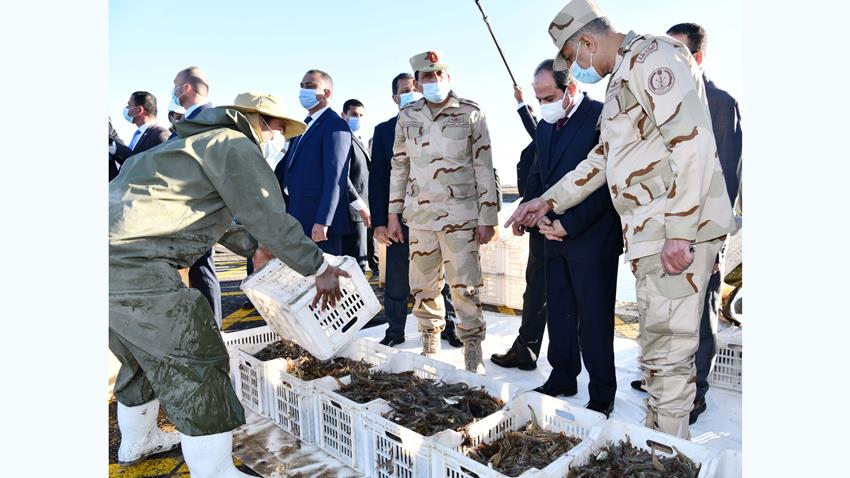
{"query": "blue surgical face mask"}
(308, 98)
(587, 75)
(409, 97)
(436, 92)
(127, 115)
(174, 97)
(354, 124)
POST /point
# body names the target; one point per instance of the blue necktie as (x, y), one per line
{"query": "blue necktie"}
(135, 138)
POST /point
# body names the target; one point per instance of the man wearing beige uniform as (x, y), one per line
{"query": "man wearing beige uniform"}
(443, 182)
(658, 156)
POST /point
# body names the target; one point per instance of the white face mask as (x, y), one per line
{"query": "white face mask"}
(273, 148)
(436, 92)
(552, 112)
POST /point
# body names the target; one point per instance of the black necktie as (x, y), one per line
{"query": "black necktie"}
(308, 120)
(560, 124)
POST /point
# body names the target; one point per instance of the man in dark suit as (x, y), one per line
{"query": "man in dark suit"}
(356, 243)
(726, 125)
(526, 347)
(397, 288)
(582, 247)
(190, 92)
(314, 171)
(141, 111)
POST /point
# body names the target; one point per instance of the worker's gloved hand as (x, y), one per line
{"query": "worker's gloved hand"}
(327, 287)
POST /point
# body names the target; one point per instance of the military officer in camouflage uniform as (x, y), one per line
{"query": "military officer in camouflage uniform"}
(167, 207)
(658, 156)
(443, 182)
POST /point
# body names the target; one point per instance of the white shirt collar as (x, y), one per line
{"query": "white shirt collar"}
(316, 115)
(145, 126)
(192, 108)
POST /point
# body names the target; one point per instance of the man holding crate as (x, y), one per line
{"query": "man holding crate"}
(167, 207)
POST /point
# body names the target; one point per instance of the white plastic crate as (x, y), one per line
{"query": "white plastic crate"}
(340, 421)
(727, 464)
(257, 335)
(516, 255)
(494, 290)
(250, 380)
(552, 415)
(514, 289)
(493, 256)
(398, 452)
(293, 401)
(283, 297)
(613, 431)
(728, 363)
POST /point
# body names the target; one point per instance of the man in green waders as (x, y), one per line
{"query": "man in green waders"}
(167, 207)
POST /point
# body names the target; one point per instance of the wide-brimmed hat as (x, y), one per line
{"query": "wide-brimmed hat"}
(268, 105)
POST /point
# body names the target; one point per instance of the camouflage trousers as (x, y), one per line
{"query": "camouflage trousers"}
(456, 252)
(670, 308)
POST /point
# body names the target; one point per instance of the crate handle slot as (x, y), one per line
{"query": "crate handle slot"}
(393, 437)
(337, 405)
(565, 414)
(659, 446)
(349, 324)
(469, 472)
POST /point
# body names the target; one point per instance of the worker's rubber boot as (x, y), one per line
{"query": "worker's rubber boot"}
(140, 436)
(473, 356)
(210, 456)
(431, 343)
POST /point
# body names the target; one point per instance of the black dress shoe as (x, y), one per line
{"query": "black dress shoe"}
(451, 338)
(604, 408)
(246, 305)
(518, 356)
(699, 407)
(556, 390)
(390, 341)
(638, 385)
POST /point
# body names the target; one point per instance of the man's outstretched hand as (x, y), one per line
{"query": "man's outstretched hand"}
(529, 213)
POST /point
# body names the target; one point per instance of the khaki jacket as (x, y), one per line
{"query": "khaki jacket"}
(656, 151)
(442, 168)
(172, 203)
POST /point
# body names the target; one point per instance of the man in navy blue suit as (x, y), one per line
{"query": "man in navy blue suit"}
(314, 172)
(190, 91)
(397, 289)
(582, 247)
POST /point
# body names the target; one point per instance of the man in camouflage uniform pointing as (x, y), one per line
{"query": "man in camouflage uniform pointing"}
(658, 155)
(444, 184)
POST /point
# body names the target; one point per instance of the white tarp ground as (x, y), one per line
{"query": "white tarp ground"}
(718, 427)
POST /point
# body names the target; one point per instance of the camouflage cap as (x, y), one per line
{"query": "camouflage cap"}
(428, 61)
(568, 21)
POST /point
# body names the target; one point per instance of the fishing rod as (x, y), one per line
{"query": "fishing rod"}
(484, 17)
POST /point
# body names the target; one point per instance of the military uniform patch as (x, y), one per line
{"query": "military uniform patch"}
(661, 80)
(646, 51)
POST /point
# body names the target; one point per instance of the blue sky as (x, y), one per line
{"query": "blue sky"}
(268, 45)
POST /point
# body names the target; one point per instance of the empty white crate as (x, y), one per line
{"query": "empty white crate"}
(257, 335)
(341, 421)
(507, 255)
(613, 431)
(514, 289)
(292, 401)
(283, 297)
(398, 452)
(728, 363)
(552, 415)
